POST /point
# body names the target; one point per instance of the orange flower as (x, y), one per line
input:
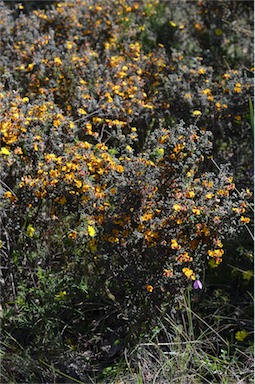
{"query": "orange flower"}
(149, 288)
(215, 253)
(57, 61)
(190, 194)
(167, 272)
(72, 235)
(201, 71)
(119, 168)
(9, 195)
(207, 92)
(198, 27)
(146, 216)
(245, 219)
(174, 244)
(237, 88)
(184, 257)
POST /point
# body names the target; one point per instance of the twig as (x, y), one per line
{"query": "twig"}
(6, 186)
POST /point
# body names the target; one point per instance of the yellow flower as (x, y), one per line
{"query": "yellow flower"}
(119, 168)
(150, 235)
(207, 92)
(178, 148)
(190, 194)
(60, 200)
(69, 45)
(241, 335)
(57, 61)
(245, 219)
(5, 151)
(219, 243)
(112, 239)
(189, 273)
(72, 235)
(184, 257)
(167, 272)
(197, 113)
(174, 244)
(61, 295)
(201, 71)
(215, 253)
(30, 231)
(8, 195)
(91, 231)
(177, 207)
(198, 26)
(30, 66)
(146, 216)
(237, 88)
(190, 173)
(82, 111)
(78, 183)
(209, 196)
(196, 211)
(89, 128)
(149, 287)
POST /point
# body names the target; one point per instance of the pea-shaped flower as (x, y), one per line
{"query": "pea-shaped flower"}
(197, 284)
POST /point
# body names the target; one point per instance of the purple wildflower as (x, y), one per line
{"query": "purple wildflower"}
(197, 284)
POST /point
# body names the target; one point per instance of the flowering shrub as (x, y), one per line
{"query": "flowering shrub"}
(108, 188)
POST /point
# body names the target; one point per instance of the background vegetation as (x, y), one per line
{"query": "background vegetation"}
(126, 176)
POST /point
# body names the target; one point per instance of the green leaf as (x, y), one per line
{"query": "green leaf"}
(251, 115)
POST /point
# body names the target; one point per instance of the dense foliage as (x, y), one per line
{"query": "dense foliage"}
(115, 118)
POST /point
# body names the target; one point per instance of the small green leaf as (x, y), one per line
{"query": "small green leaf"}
(212, 263)
(251, 115)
